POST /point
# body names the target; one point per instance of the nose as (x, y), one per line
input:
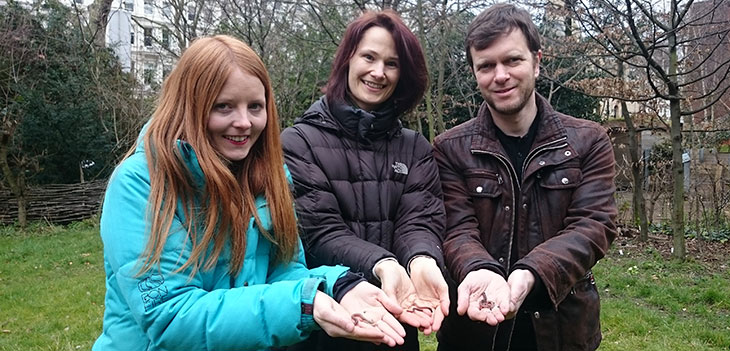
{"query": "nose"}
(241, 119)
(501, 73)
(377, 71)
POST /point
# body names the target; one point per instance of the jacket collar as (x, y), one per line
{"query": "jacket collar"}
(351, 122)
(549, 128)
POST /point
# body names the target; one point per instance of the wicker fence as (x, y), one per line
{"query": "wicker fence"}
(58, 204)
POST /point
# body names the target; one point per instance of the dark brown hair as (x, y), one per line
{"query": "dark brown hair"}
(498, 20)
(413, 72)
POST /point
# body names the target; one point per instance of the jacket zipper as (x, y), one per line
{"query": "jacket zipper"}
(513, 175)
(541, 148)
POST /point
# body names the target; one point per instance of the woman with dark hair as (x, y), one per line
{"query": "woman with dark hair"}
(201, 245)
(367, 190)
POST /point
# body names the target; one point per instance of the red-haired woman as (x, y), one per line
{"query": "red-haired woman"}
(201, 245)
(367, 190)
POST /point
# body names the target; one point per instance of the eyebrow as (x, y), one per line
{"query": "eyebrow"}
(374, 53)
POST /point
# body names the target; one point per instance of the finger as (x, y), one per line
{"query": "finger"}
(393, 323)
(393, 337)
(438, 318)
(491, 320)
(476, 314)
(512, 311)
(497, 314)
(423, 314)
(332, 314)
(427, 331)
(444, 302)
(462, 299)
(411, 319)
(366, 332)
(389, 303)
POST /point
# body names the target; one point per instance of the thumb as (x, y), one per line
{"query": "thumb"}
(463, 299)
(444, 300)
(389, 303)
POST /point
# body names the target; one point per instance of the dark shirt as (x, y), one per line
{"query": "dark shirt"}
(517, 148)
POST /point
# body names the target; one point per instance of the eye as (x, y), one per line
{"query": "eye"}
(221, 107)
(486, 67)
(368, 57)
(256, 106)
(392, 64)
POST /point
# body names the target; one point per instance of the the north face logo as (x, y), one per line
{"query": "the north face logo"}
(399, 168)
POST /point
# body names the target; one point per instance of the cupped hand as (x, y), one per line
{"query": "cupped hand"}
(520, 283)
(432, 291)
(336, 321)
(484, 296)
(370, 309)
(396, 283)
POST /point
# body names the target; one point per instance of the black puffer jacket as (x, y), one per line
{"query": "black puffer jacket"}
(363, 192)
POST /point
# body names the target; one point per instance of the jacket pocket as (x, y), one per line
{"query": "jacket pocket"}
(565, 178)
(482, 183)
(575, 326)
(554, 195)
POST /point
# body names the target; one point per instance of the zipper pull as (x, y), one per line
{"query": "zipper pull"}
(499, 179)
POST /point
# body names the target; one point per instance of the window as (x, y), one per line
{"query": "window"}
(167, 9)
(129, 5)
(165, 38)
(131, 37)
(149, 7)
(191, 12)
(148, 37)
(149, 73)
(166, 69)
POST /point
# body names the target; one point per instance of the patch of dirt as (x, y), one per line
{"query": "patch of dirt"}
(712, 254)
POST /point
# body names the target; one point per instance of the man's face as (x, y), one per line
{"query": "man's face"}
(505, 72)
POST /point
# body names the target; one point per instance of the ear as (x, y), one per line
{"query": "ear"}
(538, 58)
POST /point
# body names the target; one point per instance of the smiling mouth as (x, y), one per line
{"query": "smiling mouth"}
(238, 140)
(373, 85)
(502, 91)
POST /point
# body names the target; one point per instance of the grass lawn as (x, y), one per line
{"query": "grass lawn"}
(52, 294)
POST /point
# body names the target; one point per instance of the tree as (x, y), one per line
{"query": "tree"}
(65, 100)
(20, 54)
(650, 39)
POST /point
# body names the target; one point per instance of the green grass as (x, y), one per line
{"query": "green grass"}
(52, 293)
(649, 303)
(51, 288)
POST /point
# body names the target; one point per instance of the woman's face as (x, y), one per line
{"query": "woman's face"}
(374, 69)
(237, 116)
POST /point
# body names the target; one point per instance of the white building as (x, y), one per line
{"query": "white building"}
(138, 31)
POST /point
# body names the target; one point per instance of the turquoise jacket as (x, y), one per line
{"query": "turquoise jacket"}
(262, 307)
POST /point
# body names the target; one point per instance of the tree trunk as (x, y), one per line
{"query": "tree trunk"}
(638, 203)
(677, 166)
(16, 183)
(428, 97)
(99, 19)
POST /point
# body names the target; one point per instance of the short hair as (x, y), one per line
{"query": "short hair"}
(498, 20)
(412, 63)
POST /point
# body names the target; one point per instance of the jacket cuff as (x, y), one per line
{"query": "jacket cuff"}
(309, 290)
(345, 284)
(479, 264)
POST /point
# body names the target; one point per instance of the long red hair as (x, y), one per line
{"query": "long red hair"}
(222, 210)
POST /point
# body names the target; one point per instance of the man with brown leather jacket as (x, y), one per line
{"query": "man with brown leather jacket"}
(529, 196)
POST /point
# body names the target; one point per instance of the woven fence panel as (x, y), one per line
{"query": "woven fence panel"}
(57, 203)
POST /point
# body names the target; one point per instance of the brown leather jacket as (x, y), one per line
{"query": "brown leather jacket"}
(565, 224)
